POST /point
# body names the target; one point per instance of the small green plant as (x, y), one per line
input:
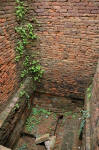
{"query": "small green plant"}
(40, 111)
(24, 93)
(26, 35)
(24, 73)
(54, 116)
(17, 58)
(85, 115)
(20, 48)
(89, 92)
(29, 124)
(36, 117)
(20, 10)
(69, 113)
(32, 68)
(16, 107)
(23, 147)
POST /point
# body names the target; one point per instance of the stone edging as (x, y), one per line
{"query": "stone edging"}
(11, 119)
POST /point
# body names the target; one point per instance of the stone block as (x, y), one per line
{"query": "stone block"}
(42, 138)
(50, 143)
(4, 148)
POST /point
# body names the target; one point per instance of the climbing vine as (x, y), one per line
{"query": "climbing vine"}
(20, 10)
(26, 35)
(85, 115)
(89, 92)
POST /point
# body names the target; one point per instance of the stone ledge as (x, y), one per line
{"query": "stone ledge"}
(91, 129)
(87, 125)
(10, 117)
(15, 99)
(4, 148)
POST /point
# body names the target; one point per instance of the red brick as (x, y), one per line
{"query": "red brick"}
(7, 53)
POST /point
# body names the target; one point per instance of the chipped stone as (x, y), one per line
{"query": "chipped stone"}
(50, 143)
(42, 138)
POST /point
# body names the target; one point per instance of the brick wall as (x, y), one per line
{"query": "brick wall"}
(7, 55)
(91, 131)
(94, 110)
(69, 45)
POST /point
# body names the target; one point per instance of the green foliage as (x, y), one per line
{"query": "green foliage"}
(30, 32)
(23, 147)
(72, 114)
(89, 92)
(85, 115)
(20, 10)
(41, 111)
(24, 93)
(32, 68)
(35, 118)
(24, 73)
(20, 48)
(69, 113)
(26, 35)
(16, 107)
(17, 58)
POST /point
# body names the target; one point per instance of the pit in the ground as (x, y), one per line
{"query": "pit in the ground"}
(58, 116)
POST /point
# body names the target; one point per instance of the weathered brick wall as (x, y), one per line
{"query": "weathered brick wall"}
(7, 54)
(69, 44)
(91, 131)
(94, 111)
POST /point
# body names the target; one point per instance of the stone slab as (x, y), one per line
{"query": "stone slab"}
(71, 136)
(4, 148)
(42, 138)
(15, 99)
(50, 144)
(11, 115)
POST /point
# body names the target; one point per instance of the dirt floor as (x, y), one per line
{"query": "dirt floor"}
(63, 123)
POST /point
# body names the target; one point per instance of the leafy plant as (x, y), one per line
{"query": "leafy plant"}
(85, 115)
(32, 68)
(26, 35)
(89, 92)
(16, 107)
(35, 117)
(20, 10)
(41, 111)
(20, 47)
(24, 73)
(23, 147)
(17, 58)
(24, 93)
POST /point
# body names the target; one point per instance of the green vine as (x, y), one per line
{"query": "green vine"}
(85, 115)
(26, 36)
(20, 10)
(89, 92)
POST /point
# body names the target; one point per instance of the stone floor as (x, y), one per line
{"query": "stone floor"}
(46, 119)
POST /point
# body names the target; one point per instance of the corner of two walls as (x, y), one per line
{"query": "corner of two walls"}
(68, 45)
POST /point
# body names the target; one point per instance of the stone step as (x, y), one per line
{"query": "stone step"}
(4, 148)
(71, 135)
